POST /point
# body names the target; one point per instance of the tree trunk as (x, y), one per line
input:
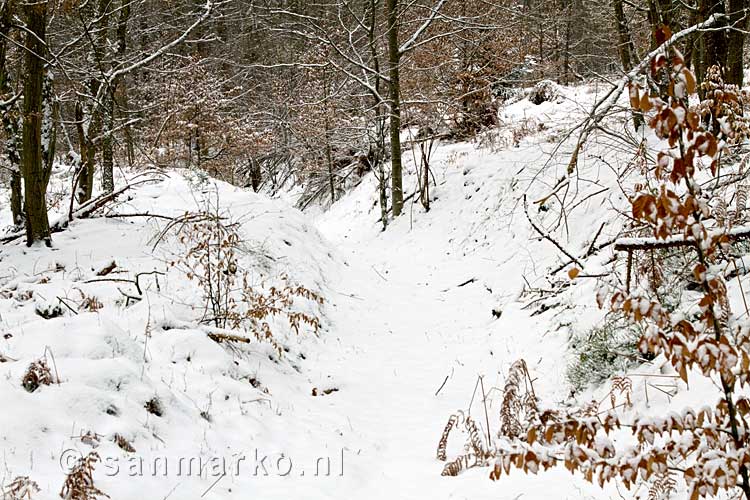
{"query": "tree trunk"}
(566, 55)
(122, 40)
(10, 113)
(327, 135)
(626, 50)
(377, 146)
(713, 43)
(35, 175)
(108, 175)
(394, 91)
(735, 42)
(692, 44)
(87, 159)
(49, 124)
(425, 153)
(625, 43)
(108, 178)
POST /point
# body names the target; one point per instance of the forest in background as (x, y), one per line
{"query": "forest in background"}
(306, 95)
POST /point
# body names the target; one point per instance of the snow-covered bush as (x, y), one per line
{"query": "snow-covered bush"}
(706, 448)
(544, 91)
(211, 259)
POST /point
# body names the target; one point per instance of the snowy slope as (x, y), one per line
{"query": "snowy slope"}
(113, 361)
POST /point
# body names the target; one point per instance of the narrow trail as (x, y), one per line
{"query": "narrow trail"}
(396, 351)
(405, 321)
(400, 334)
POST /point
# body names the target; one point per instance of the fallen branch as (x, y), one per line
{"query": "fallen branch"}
(545, 235)
(183, 220)
(220, 338)
(589, 253)
(83, 212)
(632, 244)
(604, 105)
(108, 269)
(136, 281)
(67, 305)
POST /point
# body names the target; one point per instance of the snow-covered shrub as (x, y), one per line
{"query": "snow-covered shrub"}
(37, 374)
(508, 134)
(211, 259)
(706, 448)
(603, 352)
(544, 91)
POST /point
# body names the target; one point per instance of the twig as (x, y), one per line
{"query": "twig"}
(546, 236)
(593, 242)
(441, 386)
(66, 305)
(54, 363)
(486, 416)
(376, 272)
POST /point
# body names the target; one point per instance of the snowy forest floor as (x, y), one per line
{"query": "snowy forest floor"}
(403, 325)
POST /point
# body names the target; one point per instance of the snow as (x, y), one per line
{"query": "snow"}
(408, 326)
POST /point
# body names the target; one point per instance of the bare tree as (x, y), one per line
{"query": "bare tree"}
(36, 145)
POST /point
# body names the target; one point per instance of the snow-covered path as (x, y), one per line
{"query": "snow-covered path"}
(402, 325)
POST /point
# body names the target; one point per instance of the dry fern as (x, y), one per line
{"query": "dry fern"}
(720, 213)
(452, 421)
(123, 443)
(91, 303)
(621, 386)
(474, 441)
(91, 438)
(462, 463)
(662, 487)
(475, 454)
(79, 483)
(21, 488)
(519, 402)
(741, 203)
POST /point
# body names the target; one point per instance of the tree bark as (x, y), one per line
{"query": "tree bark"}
(376, 153)
(626, 50)
(565, 80)
(625, 47)
(87, 152)
(122, 43)
(10, 114)
(394, 91)
(108, 107)
(713, 44)
(735, 42)
(35, 174)
(108, 175)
